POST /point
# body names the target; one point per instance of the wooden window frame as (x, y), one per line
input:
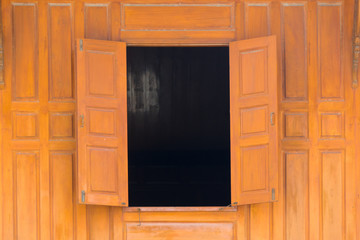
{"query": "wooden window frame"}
(231, 207)
(228, 208)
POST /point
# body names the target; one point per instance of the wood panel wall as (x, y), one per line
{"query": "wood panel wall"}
(319, 120)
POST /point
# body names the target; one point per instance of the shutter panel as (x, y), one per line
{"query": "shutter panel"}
(253, 111)
(102, 122)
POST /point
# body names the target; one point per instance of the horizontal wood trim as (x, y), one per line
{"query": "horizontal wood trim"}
(190, 231)
(177, 17)
(180, 209)
(174, 38)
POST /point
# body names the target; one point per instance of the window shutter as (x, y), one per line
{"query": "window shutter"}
(102, 122)
(253, 113)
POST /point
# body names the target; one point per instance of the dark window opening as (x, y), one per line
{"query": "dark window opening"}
(178, 126)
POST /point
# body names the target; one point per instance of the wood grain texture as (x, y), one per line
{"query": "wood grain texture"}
(297, 195)
(190, 23)
(177, 231)
(175, 17)
(61, 83)
(62, 204)
(330, 72)
(294, 37)
(102, 122)
(253, 121)
(2, 82)
(25, 64)
(312, 36)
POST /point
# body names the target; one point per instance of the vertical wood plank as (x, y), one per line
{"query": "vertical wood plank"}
(296, 195)
(117, 223)
(2, 83)
(332, 195)
(330, 27)
(242, 223)
(61, 86)
(61, 195)
(98, 221)
(80, 209)
(115, 21)
(6, 153)
(26, 184)
(314, 163)
(293, 21)
(257, 19)
(44, 174)
(97, 21)
(25, 51)
(260, 221)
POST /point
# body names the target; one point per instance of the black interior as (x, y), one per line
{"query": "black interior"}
(178, 126)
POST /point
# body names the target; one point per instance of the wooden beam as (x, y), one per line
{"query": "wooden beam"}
(356, 45)
(2, 82)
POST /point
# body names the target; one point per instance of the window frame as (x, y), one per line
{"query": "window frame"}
(233, 205)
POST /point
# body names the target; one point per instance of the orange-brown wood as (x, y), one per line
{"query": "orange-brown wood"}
(102, 122)
(253, 123)
(318, 118)
(1, 53)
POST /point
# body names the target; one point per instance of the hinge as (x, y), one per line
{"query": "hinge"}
(272, 118)
(81, 44)
(273, 194)
(82, 196)
(356, 54)
(82, 120)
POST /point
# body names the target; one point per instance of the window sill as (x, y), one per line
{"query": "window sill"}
(181, 209)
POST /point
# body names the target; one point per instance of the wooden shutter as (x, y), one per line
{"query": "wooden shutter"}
(102, 122)
(253, 112)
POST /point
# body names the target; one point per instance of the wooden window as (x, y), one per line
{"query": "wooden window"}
(102, 122)
(253, 107)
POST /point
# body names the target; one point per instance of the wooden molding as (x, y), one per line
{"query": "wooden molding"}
(356, 44)
(2, 83)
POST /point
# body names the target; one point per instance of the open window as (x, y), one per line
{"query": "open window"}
(217, 146)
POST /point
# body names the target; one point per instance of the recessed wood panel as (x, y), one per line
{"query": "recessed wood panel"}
(294, 40)
(257, 20)
(99, 83)
(26, 187)
(61, 190)
(60, 47)
(296, 125)
(252, 69)
(179, 231)
(102, 121)
(61, 125)
(25, 52)
(332, 194)
(177, 17)
(97, 21)
(103, 169)
(296, 195)
(332, 124)
(98, 222)
(254, 121)
(330, 21)
(254, 168)
(25, 125)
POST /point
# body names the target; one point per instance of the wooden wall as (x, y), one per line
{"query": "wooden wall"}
(319, 119)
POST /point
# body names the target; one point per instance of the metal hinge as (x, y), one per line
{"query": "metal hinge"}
(272, 118)
(81, 44)
(82, 120)
(273, 194)
(82, 196)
